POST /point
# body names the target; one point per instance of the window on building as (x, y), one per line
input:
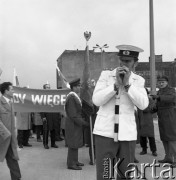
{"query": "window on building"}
(139, 73)
(166, 73)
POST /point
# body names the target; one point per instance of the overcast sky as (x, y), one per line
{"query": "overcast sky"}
(34, 33)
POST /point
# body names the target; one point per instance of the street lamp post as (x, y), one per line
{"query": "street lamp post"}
(101, 49)
(152, 50)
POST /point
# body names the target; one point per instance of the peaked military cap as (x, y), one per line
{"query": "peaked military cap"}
(163, 78)
(75, 82)
(129, 51)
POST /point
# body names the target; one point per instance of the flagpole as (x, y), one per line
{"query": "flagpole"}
(152, 50)
(87, 37)
(61, 77)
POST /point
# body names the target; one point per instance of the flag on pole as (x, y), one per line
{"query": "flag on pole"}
(86, 91)
(15, 78)
(62, 79)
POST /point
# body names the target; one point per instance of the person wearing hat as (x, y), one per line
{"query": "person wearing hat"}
(117, 92)
(166, 119)
(146, 127)
(74, 125)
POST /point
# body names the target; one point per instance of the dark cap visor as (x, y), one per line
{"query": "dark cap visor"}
(125, 58)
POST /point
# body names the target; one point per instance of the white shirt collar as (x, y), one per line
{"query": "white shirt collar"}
(7, 99)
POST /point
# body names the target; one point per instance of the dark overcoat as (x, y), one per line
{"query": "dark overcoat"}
(53, 120)
(8, 136)
(87, 119)
(146, 128)
(166, 114)
(74, 122)
(37, 120)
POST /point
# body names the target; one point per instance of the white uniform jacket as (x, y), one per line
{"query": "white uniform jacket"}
(104, 96)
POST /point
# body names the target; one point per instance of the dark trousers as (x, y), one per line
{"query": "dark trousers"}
(63, 132)
(170, 150)
(39, 131)
(45, 137)
(58, 131)
(23, 137)
(12, 165)
(143, 143)
(57, 134)
(108, 152)
(72, 157)
(86, 133)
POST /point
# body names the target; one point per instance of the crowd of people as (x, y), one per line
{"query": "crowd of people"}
(122, 116)
(16, 128)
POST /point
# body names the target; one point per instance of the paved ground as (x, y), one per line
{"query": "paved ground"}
(36, 163)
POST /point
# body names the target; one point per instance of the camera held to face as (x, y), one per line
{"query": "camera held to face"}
(122, 73)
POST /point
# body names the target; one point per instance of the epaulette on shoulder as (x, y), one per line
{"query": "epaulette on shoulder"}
(136, 73)
(70, 94)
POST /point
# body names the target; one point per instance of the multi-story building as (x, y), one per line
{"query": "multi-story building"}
(71, 63)
(171, 70)
(162, 68)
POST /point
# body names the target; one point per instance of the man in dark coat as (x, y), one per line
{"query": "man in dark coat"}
(146, 129)
(74, 125)
(166, 119)
(50, 123)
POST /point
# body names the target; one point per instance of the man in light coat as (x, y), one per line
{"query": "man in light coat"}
(117, 93)
(23, 126)
(37, 120)
(8, 141)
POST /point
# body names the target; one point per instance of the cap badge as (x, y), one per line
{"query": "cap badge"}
(126, 53)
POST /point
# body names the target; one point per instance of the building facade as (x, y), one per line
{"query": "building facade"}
(71, 64)
(162, 68)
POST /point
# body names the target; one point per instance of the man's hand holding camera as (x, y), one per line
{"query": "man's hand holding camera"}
(122, 76)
